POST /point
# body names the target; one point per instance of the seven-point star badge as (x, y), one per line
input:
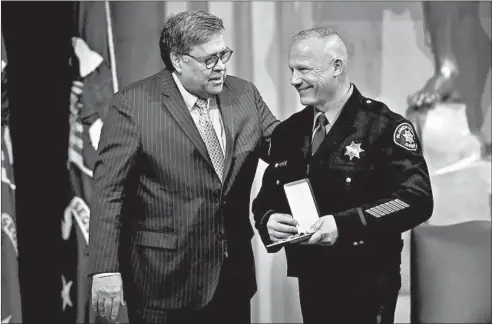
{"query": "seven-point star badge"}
(353, 150)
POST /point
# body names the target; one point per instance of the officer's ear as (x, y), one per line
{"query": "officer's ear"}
(338, 68)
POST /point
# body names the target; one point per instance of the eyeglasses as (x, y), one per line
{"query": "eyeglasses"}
(210, 61)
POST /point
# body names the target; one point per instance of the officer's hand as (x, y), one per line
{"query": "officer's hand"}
(281, 226)
(107, 295)
(325, 231)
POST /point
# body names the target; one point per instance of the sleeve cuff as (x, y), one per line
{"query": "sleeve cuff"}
(265, 218)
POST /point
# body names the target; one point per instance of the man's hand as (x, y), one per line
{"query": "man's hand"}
(325, 231)
(281, 226)
(107, 295)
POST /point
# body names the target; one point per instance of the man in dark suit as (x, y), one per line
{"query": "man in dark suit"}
(177, 158)
(368, 178)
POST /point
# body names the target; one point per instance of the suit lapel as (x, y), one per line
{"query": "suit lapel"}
(176, 106)
(226, 106)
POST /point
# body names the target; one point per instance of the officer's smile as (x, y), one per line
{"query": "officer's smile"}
(301, 90)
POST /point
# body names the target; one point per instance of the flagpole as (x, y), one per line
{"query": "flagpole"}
(109, 26)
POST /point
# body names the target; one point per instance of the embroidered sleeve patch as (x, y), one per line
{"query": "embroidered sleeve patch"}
(404, 136)
(387, 208)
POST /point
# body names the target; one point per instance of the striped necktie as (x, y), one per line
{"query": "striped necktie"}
(210, 137)
(319, 132)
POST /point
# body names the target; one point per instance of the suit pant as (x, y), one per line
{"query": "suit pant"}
(230, 304)
(349, 297)
(226, 306)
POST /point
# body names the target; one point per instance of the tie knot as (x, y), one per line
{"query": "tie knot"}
(202, 105)
(321, 120)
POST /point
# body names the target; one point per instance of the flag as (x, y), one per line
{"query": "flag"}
(70, 250)
(11, 298)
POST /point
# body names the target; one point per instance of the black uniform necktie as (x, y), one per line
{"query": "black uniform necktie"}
(319, 132)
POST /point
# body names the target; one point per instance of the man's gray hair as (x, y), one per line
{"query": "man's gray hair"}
(316, 32)
(336, 43)
(187, 29)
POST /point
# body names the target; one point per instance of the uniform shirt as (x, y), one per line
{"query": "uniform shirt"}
(334, 110)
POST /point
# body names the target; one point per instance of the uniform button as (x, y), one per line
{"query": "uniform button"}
(361, 242)
(224, 202)
(355, 243)
(278, 182)
(276, 165)
(368, 101)
(348, 180)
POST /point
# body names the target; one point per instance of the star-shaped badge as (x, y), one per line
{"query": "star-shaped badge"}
(65, 293)
(353, 150)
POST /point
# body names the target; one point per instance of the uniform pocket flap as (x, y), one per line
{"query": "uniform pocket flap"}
(156, 239)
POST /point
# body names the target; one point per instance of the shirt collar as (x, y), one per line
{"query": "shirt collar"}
(189, 98)
(335, 108)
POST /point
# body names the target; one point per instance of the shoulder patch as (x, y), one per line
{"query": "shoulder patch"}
(404, 136)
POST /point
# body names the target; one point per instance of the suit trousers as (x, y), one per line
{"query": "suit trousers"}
(228, 305)
(349, 297)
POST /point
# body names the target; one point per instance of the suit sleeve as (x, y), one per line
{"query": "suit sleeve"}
(267, 202)
(271, 197)
(268, 123)
(117, 152)
(409, 201)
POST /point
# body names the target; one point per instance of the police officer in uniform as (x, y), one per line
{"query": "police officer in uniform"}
(369, 180)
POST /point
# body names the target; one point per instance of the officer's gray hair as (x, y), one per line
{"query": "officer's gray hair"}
(187, 29)
(340, 50)
(317, 32)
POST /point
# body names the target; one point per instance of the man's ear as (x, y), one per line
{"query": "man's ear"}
(338, 67)
(177, 61)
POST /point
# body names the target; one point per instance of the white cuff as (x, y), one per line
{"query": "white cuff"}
(100, 275)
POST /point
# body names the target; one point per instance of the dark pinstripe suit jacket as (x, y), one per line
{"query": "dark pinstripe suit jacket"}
(160, 214)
